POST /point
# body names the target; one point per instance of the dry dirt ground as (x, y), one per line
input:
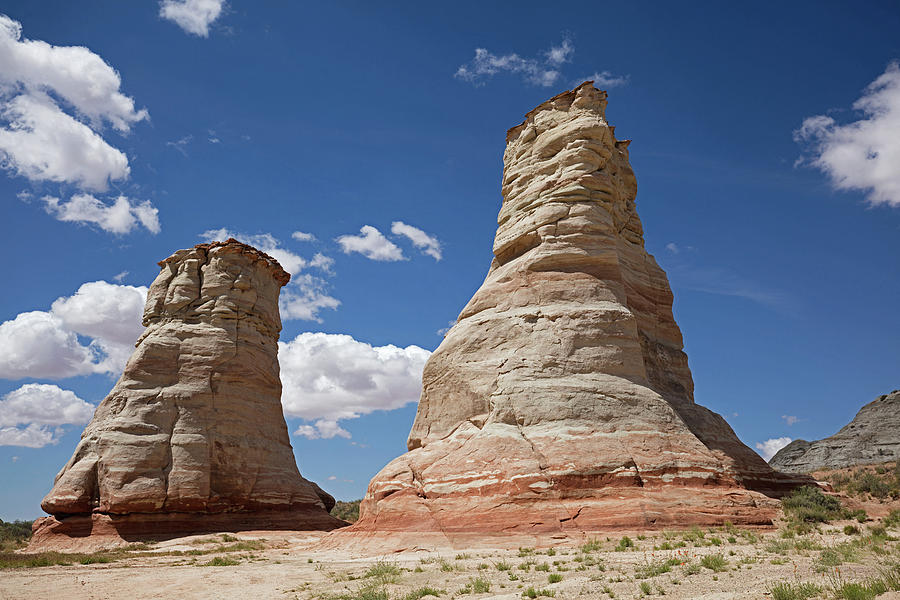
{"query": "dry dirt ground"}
(717, 563)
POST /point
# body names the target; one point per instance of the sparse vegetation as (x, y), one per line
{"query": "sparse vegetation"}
(222, 561)
(476, 585)
(714, 562)
(808, 504)
(624, 544)
(881, 482)
(346, 511)
(534, 593)
(422, 592)
(384, 572)
(794, 591)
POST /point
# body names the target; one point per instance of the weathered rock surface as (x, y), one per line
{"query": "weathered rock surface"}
(192, 437)
(562, 399)
(873, 436)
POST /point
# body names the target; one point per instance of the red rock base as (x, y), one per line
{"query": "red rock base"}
(89, 533)
(413, 523)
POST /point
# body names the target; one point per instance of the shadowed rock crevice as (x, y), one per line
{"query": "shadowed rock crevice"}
(192, 437)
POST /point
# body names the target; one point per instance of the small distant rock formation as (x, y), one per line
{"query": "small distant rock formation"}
(561, 400)
(192, 437)
(872, 437)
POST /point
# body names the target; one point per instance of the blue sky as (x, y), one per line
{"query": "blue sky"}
(766, 148)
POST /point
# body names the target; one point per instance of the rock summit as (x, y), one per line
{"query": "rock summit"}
(192, 437)
(561, 400)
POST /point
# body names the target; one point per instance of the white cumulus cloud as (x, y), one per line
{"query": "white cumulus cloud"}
(120, 217)
(41, 344)
(306, 294)
(428, 244)
(194, 16)
(372, 244)
(43, 143)
(330, 377)
(602, 80)
(302, 236)
(768, 448)
(543, 70)
(39, 139)
(38, 407)
(33, 436)
(865, 154)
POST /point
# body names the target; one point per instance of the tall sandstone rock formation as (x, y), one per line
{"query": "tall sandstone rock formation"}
(192, 437)
(561, 401)
(872, 437)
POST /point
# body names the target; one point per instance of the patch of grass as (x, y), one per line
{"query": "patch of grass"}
(370, 591)
(447, 566)
(533, 593)
(221, 561)
(892, 520)
(860, 590)
(346, 511)
(384, 572)
(794, 591)
(779, 546)
(655, 568)
(714, 562)
(808, 504)
(624, 544)
(422, 592)
(476, 585)
(646, 588)
(691, 569)
(594, 545)
(11, 560)
(554, 578)
(851, 530)
(880, 482)
(502, 566)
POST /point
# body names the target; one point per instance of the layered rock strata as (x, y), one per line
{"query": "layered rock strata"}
(561, 400)
(192, 437)
(873, 436)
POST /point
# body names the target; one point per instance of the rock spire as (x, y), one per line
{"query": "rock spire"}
(561, 400)
(192, 437)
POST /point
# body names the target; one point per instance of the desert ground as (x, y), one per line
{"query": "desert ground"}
(816, 550)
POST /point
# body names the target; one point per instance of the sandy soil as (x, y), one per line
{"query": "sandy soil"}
(286, 565)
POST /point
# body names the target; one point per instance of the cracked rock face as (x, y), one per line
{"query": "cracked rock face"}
(192, 436)
(562, 399)
(872, 437)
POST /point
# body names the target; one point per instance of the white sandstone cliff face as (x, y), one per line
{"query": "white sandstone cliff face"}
(195, 424)
(873, 436)
(564, 377)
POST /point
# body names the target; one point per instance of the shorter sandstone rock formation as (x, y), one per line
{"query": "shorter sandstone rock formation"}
(192, 437)
(873, 436)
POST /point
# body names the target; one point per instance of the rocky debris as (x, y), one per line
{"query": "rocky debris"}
(873, 436)
(561, 400)
(192, 437)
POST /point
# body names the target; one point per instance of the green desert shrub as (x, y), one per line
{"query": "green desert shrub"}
(346, 511)
(422, 592)
(794, 591)
(714, 562)
(534, 593)
(808, 504)
(384, 572)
